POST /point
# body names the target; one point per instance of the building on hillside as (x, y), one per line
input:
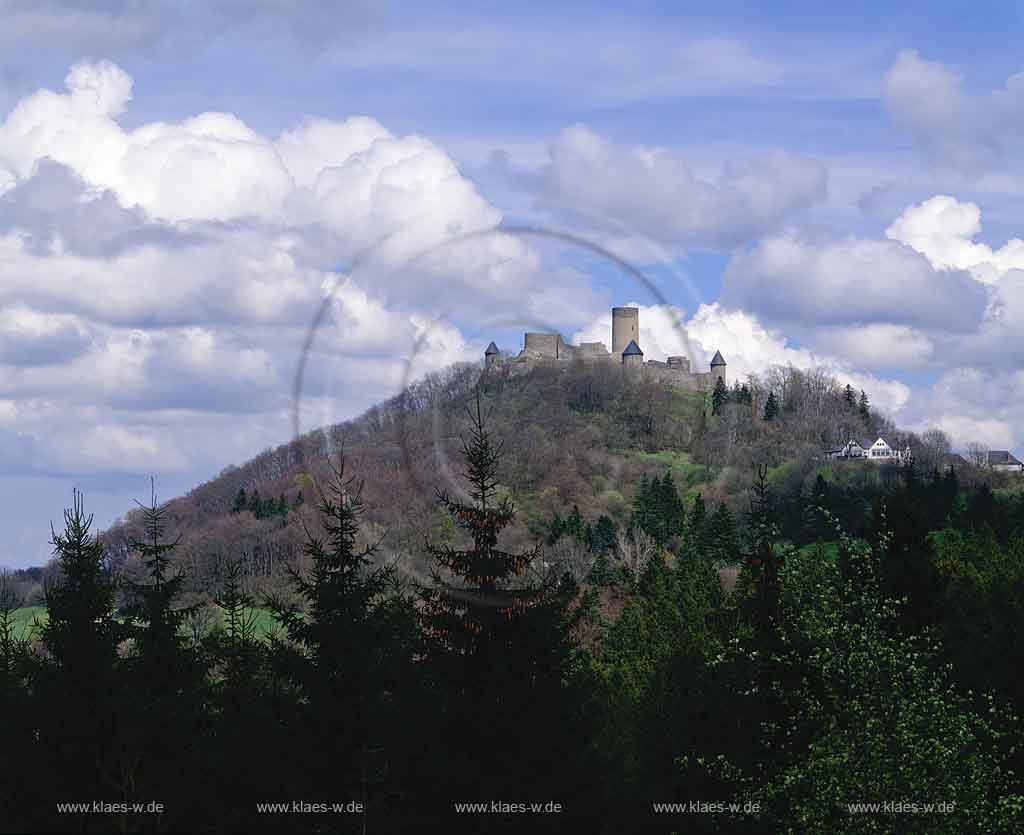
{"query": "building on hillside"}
(880, 452)
(552, 349)
(1003, 461)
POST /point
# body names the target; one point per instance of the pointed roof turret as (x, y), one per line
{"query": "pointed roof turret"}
(717, 359)
(491, 349)
(632, 349)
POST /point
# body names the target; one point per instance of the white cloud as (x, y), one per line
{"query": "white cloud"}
(942, 228)
(796, 278)
(174, 268)
(651, 192)
(967, 131)
(876, 346)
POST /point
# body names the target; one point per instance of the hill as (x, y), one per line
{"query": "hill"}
(582, 435)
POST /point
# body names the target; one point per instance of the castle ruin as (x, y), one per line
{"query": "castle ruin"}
(551, 349)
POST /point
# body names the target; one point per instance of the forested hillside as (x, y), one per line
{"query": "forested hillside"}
(581, 437)
(637, 608)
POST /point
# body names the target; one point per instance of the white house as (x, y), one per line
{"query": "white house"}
(879, 452)
(1004, 461)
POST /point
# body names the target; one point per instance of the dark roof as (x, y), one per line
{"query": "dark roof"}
(491, 349)
(631, 349)
(717, 359)
(1001, 456)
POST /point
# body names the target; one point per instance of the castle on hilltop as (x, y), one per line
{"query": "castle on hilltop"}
(550, 348)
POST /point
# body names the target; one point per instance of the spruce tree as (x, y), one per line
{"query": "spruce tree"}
(719, 397)
(497, 632)
(723, 535)
(605, 534)
(18, 752)
(864, 406)
(241, 501)
(849, 398)
(344, 651)
(696, 528)
(670, 508)
(771, 407)
(81, 696)
(761, 561)
(165, 673)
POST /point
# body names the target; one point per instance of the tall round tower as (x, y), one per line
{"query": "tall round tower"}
(625, 328)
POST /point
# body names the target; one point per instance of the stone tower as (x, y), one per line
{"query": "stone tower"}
(632, 356)
(625, 328)
(491, 355)
(718, 368)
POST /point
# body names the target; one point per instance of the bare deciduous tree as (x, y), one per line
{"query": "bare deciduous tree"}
(635, 549)
(977, 453)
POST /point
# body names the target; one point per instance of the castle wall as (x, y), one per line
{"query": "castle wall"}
(542, 344)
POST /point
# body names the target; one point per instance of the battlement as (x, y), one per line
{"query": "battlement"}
(551, 348)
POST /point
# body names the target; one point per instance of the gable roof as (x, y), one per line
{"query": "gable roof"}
(717, 359)
(1001, 456)
(632, 349)
(491, 349)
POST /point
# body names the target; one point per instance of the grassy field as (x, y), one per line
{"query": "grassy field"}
(27, 619)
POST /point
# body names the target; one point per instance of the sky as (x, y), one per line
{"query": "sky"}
(184, 186)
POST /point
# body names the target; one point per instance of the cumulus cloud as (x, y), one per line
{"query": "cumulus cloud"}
(174, 268)
(964, 130)
(942, 229)
(878, 345)
(651, 192)
(974, 405)
(794, 277)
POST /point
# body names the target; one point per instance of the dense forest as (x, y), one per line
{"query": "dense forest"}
(638, 608)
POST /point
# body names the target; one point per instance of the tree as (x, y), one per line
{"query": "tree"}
(722, 534)
(80, 689)
(977, 454)
(695, 529)
(241, 501)
(498, 639)
(719, 397)
(849, 398)
(165, 673)
(17, 720)
(864, 406)
(771, 407)
(346, 650)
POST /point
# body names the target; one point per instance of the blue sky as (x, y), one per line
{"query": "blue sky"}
(180, 182)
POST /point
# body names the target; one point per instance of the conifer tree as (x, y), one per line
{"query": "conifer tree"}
(80, 688)
(497, 632)
(818, 504)
(696, 527)
(246, 729)
(670, 510)
(344, 650)
(761, 561)
(256, 504)
(864, 406)
(241, 501)
(719, 397)
(574, 524)
(165, 673)
(771, 407)
(849, 398)
(723, 534)
(17, 711)
(605, 533)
